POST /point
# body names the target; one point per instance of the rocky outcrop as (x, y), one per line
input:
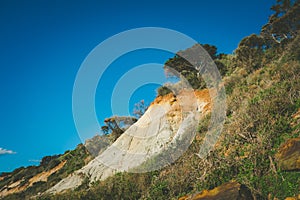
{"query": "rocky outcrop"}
(97, 145)
(288, 156)
(227, 191)
(165, 123)
(293, 198)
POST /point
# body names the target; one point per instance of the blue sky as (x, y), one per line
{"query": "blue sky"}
(43, 43)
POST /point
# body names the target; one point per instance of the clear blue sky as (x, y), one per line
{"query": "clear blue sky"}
(43, 43)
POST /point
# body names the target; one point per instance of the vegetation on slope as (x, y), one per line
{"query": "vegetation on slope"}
(262, 86)
(72, 160)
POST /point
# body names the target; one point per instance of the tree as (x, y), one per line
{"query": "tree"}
(163, 90)
(190, 71)
(254, 42)
(105, 130)
(249, 52)
(211, 50)
(284, 24)
(139, 109)
(117, 125)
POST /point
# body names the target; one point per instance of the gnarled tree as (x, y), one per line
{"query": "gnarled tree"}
(117, 125)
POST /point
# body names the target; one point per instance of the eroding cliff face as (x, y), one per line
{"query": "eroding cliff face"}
(166, 122)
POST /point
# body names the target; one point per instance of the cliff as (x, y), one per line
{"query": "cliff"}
(152, 134)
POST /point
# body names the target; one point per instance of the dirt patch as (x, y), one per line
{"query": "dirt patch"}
(43, 176)
(201, 95)
(163, 99)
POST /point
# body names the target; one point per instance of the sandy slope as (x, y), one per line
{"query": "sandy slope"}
(167, 119)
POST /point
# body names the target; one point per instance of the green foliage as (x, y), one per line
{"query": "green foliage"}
(116, 125)
(262, 87)
(163, 90)
(250, 52)
(75, 160)
(121, 186)
(283, 24)
(159, 190)
(183, 67)
(280, 185)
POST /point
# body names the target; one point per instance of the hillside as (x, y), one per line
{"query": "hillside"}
(155, 132)
(25, 182)
(258, 150)
(256, 157)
